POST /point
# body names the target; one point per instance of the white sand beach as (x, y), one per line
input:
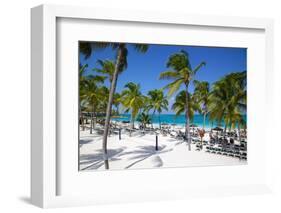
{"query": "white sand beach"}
(138, 152)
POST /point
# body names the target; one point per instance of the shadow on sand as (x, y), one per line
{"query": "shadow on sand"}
(96, 160)
(145, 152)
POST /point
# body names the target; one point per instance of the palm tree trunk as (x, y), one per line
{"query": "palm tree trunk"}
(91, 125)
(94, 117)
(224, 131)
(117, 109)
(131, 124)
(159, 120)
(239, 133)
(110, 101)
(187, 122)
(230, 124)
(152, 118)
(204, 119)
(82, 120)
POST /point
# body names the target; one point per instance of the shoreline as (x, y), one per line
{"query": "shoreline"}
(171, 126)
(173, 120)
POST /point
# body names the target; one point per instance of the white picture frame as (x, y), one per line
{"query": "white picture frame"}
(44, 154)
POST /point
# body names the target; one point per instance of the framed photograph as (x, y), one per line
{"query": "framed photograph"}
(129, 106)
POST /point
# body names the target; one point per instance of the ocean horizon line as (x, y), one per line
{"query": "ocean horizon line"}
(198, 119)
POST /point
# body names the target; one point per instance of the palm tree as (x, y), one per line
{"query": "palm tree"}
(83, 106)
(238, 120)
(201, 93)
(103, 93)
(107, 67)
(87, 48)
(92, 95)
(117, 102)
(179, 106)
(227, 100)
(82, 79)
(157, 101)
(132, 100)
(144, 119)
(181, 74)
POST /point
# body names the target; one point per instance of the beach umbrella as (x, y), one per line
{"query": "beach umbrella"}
(217, 129)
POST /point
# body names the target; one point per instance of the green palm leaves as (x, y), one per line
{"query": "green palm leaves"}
(227, 100)
(181, 74)
(201, 96)
(179, 105)
(87, 48)
(117, 102)
(144, 119)
(89, 86)
(132, 100)
(157, 102)
(107, 68)
(90, 90)
(91, 95)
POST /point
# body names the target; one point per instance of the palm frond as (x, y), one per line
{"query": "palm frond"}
(198, 67)
(169, 75)
(87, 48)
(174, 86)
(141, 47)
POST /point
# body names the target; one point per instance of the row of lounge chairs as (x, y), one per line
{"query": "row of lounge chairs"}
(233, 152)
(222, 146)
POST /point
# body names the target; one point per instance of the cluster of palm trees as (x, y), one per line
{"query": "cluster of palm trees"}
(225, 102)
(94, 95)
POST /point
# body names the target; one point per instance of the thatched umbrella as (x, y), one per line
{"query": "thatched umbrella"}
(218, 129)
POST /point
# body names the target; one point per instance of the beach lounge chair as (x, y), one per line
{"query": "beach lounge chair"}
(243, 155)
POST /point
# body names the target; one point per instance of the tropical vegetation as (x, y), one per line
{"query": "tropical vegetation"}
(181, 73)
(132, 100)
(157, 102)
(224, 101)
(87, 48)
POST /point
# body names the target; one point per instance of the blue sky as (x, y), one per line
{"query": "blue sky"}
(145, 68)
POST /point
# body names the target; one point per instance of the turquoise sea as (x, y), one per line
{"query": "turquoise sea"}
(178, 120)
